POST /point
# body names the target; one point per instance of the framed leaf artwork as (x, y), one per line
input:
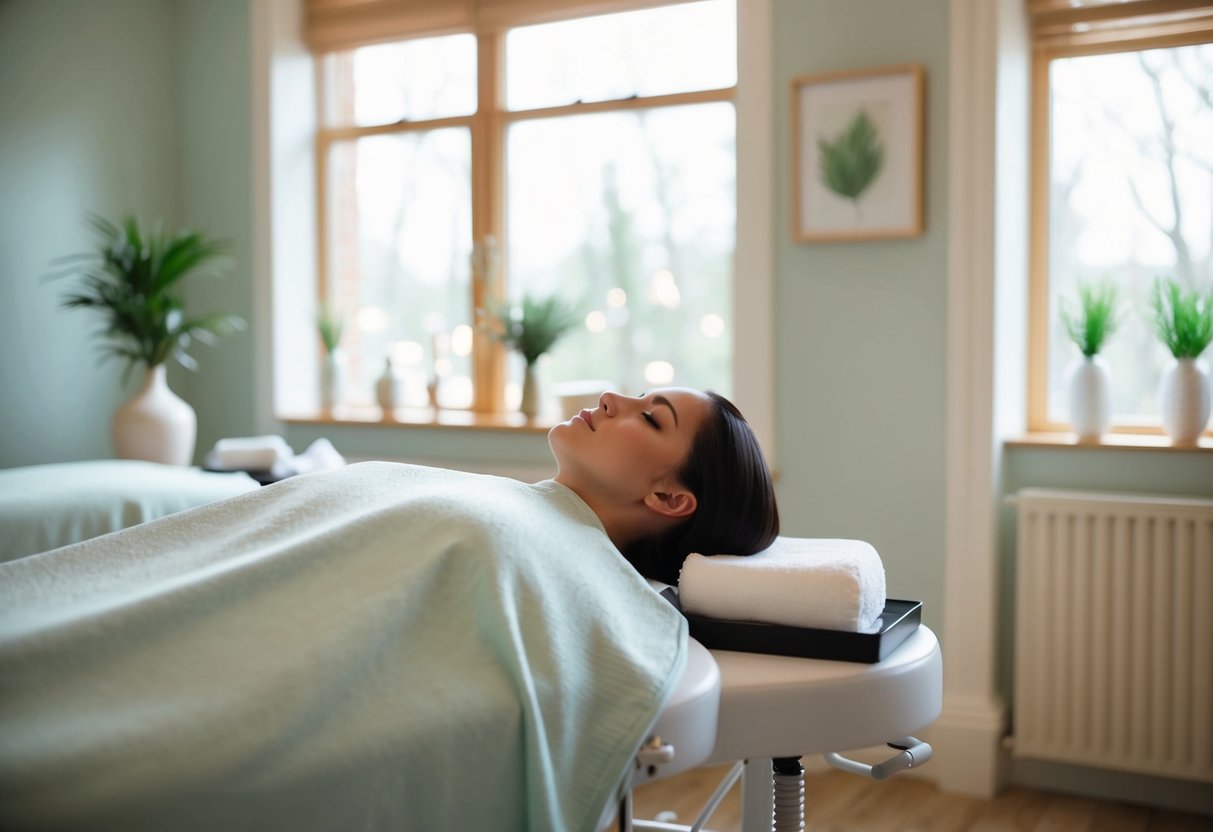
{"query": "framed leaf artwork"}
(857, 154)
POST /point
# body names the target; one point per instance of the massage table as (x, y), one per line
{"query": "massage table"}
(764, 712)
(47, 506)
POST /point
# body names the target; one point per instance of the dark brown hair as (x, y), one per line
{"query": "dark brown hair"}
(736, 514)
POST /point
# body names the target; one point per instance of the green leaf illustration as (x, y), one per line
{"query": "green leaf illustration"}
(851, 162)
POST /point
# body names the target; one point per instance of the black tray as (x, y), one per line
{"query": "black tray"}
(262, 476)
(897, 622)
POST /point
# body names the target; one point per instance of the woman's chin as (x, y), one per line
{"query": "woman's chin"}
(557, 433)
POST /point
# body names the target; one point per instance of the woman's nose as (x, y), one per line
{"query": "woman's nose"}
(616, 404)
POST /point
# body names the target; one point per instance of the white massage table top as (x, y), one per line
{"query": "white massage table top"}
(782, 706)
(688, 720)
(733, 706)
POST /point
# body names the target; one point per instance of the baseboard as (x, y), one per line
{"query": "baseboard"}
(969, 756)
(1118, 786)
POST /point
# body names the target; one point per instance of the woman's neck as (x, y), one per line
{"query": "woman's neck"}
(624, 523)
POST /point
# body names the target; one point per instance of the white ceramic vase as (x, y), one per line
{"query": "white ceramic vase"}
(1089, 385)
(1183, 400)
(155, 424)
(530, 393)
(389, 389)
(332, 380)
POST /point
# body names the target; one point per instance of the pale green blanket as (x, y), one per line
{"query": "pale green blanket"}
(381, 647)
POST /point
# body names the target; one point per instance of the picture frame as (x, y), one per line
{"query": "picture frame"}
(857, 154)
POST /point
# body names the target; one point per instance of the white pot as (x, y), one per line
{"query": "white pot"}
(155, 424)
(1183, 401)
(1089, 385)
(332, 380)
(530, 393)
(389, 389)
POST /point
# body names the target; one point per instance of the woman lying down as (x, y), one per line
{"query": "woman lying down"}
(381, 647)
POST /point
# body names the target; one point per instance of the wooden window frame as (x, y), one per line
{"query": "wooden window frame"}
(488, 127)
(1068, 32)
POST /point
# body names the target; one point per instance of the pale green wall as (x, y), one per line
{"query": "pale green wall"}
(860, 326)
(139, 106)
(215, 117)
(88, 122)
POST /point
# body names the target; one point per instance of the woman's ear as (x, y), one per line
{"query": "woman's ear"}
(675, 503)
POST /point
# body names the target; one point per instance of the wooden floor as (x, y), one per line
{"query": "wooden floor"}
(841, 802)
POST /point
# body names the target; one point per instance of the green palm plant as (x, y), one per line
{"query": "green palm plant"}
(1182, 320)
(850, 163)
(1095, 318)
(534, 326)
(134, 280)
(330, 325)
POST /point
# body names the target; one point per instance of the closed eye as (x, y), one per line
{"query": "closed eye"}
(651, 419)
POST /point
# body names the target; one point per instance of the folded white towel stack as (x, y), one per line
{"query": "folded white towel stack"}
(250, 453)
(797, 582)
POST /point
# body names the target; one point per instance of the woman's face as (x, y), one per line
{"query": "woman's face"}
(628, 445)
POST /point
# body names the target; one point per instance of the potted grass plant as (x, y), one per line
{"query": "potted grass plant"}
(531, 329)
(1183, 321)
(1089, 320)
(330, 325)
(134, 279)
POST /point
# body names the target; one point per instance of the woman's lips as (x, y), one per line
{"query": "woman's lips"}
(588, 418)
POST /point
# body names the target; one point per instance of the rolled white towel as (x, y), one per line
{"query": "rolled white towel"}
(797, 582)
(250, 453)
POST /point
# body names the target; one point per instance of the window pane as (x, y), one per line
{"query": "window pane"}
(631, 215)
(650, 52)
(400, 235)
(404, 81)
(1131, 191)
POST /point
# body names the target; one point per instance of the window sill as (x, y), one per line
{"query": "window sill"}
(425, 417)
(1111, 441)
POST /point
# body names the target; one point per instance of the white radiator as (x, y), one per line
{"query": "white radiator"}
(1114, 632)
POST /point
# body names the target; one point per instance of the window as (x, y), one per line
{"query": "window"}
(1123, 184)
(592, 158)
